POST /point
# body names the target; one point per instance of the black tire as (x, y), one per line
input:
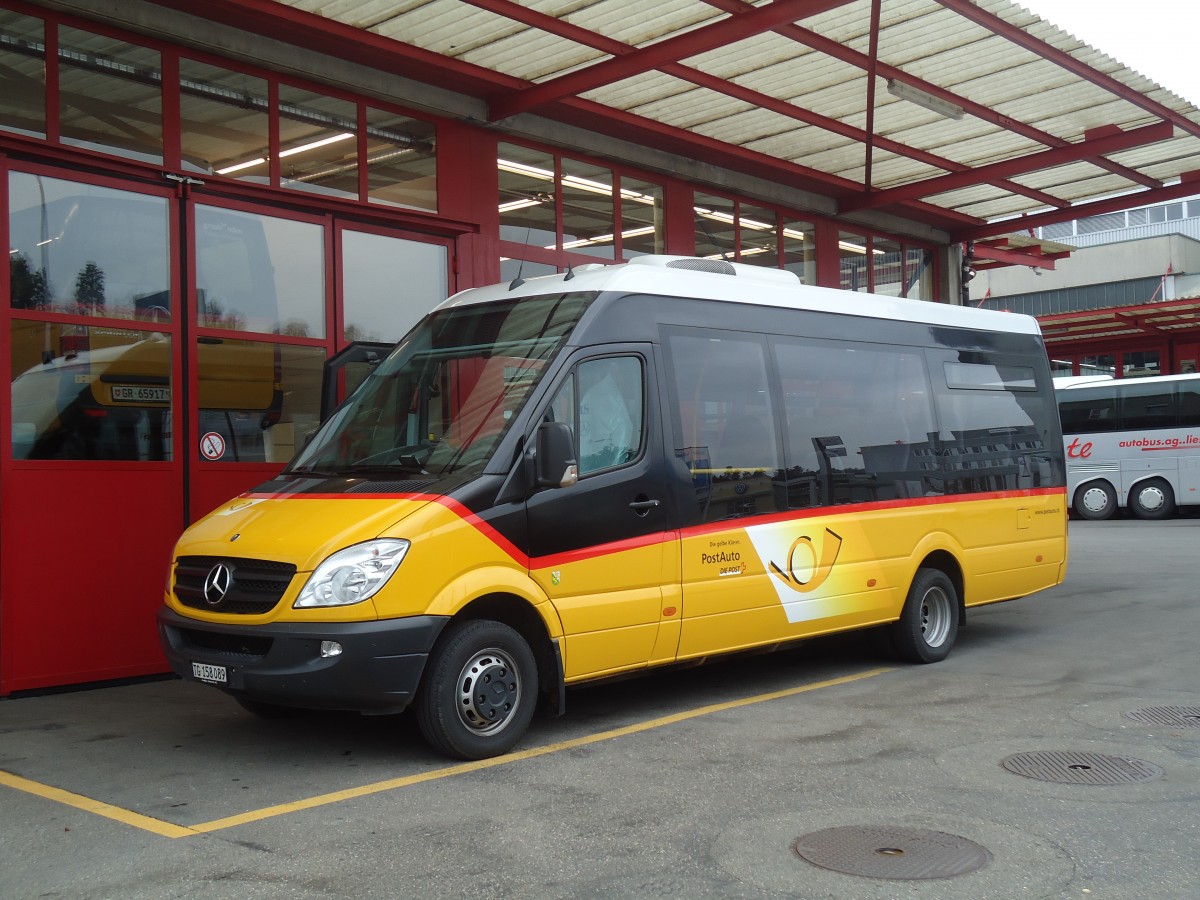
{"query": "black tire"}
(1095, 500)
(479, 690)
(1152, 499)
(268, 710)
(928, 624)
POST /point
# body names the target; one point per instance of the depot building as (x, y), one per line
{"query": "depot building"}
(206, 203)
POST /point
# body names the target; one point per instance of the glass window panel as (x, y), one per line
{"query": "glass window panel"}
(82, 248)
(852, 248)
(224, 122)
(1147, 405)
(1100, 364)
(588, 209)
(1140, 363)
(1089, 409)
(1189, 404)
(388, 284)
(726, 429)
(800, 250)
(110, 96)
(887, 259)
(81, 392)
(259, 273)
(858, 420)
(642, 229)
(401, 161)
(22, 74)
(759, 240)
(526, 196)
(714, 227)
(918, 274)
(610, 413)
(318, 146)
(258, 401)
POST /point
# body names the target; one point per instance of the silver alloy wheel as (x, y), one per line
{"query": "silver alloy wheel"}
(1151, 498)
(937, 616)
(489, 689)
(1095, 499)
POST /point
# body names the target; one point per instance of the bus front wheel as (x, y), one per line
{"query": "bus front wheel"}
(1096, 501)
(1152, 499)
(928, 624)
(479, 690)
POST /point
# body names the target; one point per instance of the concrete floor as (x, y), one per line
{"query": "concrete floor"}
(691, 783)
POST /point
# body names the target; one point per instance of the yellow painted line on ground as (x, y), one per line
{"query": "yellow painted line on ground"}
(87, 804)
(166, 829)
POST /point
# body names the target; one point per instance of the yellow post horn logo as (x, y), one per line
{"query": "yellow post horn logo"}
(821, 563)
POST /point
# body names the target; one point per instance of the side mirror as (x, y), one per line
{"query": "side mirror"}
(556, 465)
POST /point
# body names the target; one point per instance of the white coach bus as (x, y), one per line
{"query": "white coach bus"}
(1132, 443)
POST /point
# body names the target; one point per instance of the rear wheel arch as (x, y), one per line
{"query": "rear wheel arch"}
(946, 562)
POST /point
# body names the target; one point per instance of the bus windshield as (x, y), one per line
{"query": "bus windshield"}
(441, 402)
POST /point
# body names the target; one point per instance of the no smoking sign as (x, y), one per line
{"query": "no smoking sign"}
(212, 446)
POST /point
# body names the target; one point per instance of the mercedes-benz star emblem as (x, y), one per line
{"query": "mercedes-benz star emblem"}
(217, 584)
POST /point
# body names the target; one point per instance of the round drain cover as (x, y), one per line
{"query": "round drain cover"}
(1081, 768)
(1171, 716)
(908, 854)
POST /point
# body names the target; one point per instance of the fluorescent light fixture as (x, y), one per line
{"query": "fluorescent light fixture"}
(924, 99)
(346, 135)
(519, 204)
(242, 165)
(516, 168)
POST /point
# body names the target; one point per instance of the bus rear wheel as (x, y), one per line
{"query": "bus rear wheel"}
(479, 690)
(1096, 501)
(928, 624)
(1152, 499)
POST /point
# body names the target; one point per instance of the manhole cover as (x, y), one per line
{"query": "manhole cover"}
(1081, 768)
(1171, 716)
(908, 854)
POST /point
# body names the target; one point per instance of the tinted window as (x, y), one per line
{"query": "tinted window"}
(858, 422)
(1085, 410)
(725, 423)
(1147, 406)
(993, 434)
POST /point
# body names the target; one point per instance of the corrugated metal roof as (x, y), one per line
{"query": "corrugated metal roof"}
(793, 95)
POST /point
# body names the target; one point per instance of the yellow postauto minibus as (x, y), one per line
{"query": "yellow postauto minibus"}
(588, 475)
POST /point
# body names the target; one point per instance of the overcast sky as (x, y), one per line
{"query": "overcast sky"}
(1157, 38)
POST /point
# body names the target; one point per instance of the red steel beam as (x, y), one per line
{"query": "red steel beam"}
(547, 23)
(1045, 159)
(1188, 185)
(1005, 256)
(995, 24)
(983, 113)
(719, 34)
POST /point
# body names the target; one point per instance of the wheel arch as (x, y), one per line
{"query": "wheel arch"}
(947, 563)
(523, 617)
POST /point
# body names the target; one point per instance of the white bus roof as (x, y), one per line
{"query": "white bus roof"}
(707, 279)
(1088, 381)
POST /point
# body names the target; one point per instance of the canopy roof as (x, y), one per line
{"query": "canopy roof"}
(977, 112)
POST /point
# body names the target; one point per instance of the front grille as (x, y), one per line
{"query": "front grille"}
(255, 585)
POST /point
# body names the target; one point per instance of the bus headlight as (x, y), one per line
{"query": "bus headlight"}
(352, 575)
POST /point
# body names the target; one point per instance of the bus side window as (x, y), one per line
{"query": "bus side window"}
(602, 402)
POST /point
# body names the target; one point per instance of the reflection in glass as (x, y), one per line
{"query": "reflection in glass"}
(641, 217)
(588, 209)
(258, 401)
(22, 74)
(388, 284)
(110, 95)
(401, 161)
(526, 196)
(511, 269)
(259, 273)
(80, 248)
(918, 274)
(224, 119)
(852, 248)
(800, 250)
(80, 392)
(715, 232)
(318, 145)
(889, 277)
(759, 244)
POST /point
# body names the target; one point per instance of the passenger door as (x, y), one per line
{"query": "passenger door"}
(604, 548)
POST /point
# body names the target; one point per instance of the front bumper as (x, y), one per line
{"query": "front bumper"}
(377, 672)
